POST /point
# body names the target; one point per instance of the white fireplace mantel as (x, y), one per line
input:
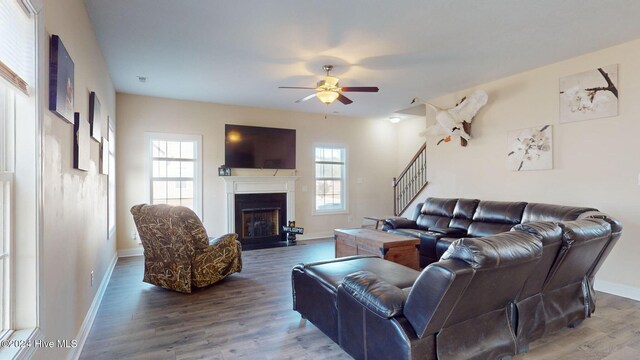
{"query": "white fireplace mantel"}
(259, 185)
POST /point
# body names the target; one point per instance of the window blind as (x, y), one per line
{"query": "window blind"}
(17, 45)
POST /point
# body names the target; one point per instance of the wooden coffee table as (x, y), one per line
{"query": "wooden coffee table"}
(393, 247)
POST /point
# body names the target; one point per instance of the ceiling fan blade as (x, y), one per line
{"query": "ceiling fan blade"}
(361, 88)
(306, 98)
(296, 87)
(345, 100)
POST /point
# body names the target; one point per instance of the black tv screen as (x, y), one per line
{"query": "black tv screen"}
(253, 147)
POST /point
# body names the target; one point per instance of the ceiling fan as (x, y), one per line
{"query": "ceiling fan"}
(328, 90)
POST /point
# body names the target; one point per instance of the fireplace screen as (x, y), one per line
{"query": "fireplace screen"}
(263, 222)
(259, 219)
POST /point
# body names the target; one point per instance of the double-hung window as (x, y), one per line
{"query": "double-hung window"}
(175, 170)
(17, 197)
(330, 177)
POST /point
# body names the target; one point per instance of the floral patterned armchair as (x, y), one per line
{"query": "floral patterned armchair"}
(178, 254)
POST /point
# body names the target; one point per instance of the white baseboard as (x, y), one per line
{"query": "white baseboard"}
(316, 235)
(626, 291)
(93, 310)
(137, 251)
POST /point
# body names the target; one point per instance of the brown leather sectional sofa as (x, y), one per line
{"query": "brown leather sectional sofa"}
(516, 273)
(438, 222)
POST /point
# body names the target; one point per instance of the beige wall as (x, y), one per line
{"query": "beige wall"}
(75, 202)
(596, 162)
(408, 143)
(371, 156)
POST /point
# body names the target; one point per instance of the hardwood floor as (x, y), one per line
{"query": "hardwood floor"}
(249, 316)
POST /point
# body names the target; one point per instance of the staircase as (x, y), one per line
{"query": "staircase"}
(410, 182)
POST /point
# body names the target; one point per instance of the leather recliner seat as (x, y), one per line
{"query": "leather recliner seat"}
(315, 286)
(459, 307)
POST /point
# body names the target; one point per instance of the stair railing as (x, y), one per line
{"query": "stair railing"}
(413, 179)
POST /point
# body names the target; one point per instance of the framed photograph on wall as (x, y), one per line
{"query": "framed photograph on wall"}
(589, 95)
(530, 149)
(104, 156)
(224, 171)
(81, 143)
(95, 117)
(61, 88)
(108, 127)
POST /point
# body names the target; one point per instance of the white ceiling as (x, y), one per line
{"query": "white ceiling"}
(239, 51)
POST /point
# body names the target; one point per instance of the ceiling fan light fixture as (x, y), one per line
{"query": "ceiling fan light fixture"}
(329, 90)
(331, 81)
(327, 97)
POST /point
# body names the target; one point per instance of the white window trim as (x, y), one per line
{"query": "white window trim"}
(345, 186)
(6, 252)
(197, 176)
(111, 128)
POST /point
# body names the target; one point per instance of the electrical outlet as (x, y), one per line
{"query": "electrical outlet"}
(134, 235)
(349, 219)
(91, 278)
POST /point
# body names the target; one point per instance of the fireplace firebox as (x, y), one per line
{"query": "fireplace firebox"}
(259, 219)
(260, 222)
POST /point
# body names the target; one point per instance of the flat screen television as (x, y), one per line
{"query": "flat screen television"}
(254, 147)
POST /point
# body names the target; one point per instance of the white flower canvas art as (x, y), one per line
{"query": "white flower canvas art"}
(530, 149)
(589, 95)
